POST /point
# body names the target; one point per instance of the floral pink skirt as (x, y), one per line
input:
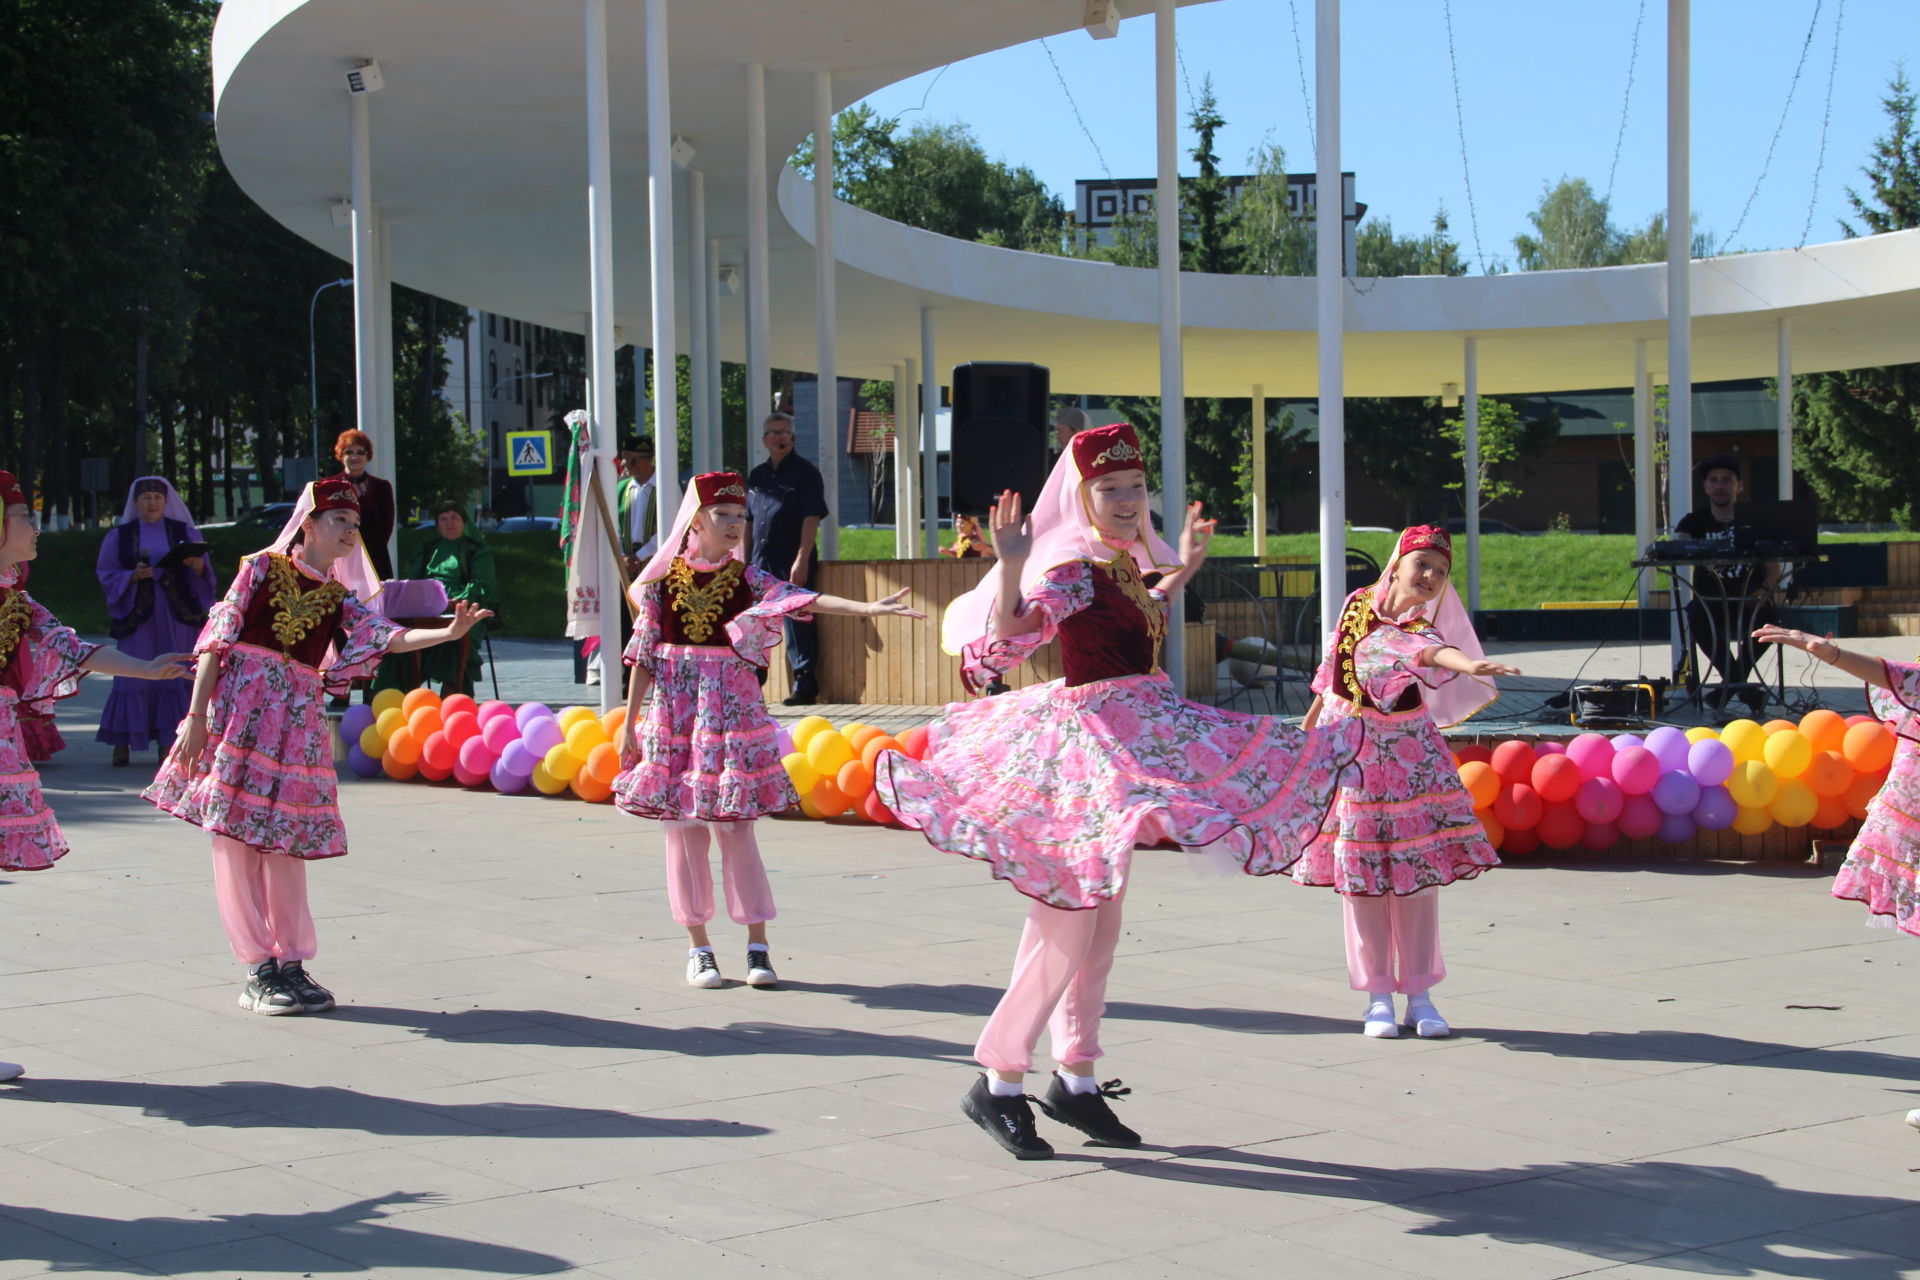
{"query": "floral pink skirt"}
(1055, 787)
(1883, 866)
(268, 779)
(1407, 824)
(42, 737)
(30, 839)
(709, 751)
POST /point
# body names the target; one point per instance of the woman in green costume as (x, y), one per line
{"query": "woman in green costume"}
(463, 562)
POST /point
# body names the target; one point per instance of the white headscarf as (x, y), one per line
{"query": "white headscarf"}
(176, 508)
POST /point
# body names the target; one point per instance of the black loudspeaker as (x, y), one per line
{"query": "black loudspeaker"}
(999, 434)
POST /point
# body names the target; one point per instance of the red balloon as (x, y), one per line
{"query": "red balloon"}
(1474, 751)
(1519, 844)
(459, 726)
(432, 772)
(1600, 836)
(1556, 777)
(914, 741)
(1518, 807)
(1639, 817)
(876, 811)
(438, 754)
(1513, 761)
(1561, 826)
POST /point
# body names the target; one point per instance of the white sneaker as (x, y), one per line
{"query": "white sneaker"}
(13, 1071)
(704, 971)
(1913, 1117)
(1380, 1022)
(760, 968)
(1425, 1021)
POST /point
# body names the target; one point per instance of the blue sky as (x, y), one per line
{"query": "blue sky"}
(1542, 87)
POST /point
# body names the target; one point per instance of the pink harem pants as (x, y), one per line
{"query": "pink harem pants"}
(690, 873)
(263, 902)
(1059, 982)
(1393, 942)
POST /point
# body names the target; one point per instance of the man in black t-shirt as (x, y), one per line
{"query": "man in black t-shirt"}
(1729, 600)
(786, 500)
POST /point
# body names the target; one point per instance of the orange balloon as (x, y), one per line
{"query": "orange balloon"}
(855, 781)
(612, 722)
(425, 722)
(828, 798)
(1775, 726)
(1865, 787)
(1481, 782)
(403, 747)
(861, 737)
(1825, 729)
(416, 699)
(1832, 813)
(914, 742)
(396, 769)
(590, 788)
(1869, 747)
(1829, 775)
(808, 807)
(603, 763)
(1496, 834)
(877, 811)
(871, 752)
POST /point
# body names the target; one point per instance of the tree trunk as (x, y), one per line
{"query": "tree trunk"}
(54, 406)
(30, 418)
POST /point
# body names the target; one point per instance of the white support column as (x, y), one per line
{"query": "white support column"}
(1679, 261)
(1785, 407)
(759, 301)
(697, 389)
(929, 440)
(1470, 491)
(666, 391)
(1259, 470)
(600, 336)
(825, 312)
(715, 389)
(1645, 483)
(366, 278)
(385, 444)
(1331, 309)
(902, 468)
(907, 507)
(1173, 389)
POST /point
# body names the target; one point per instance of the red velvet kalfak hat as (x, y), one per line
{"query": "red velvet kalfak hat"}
(335, 493)
(1426, 537)
(1100, 450)
(716, 487)
(11, 494)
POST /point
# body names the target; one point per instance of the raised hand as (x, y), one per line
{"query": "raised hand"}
(466, 616)
(169, 666)
(1775, 634)
(1195, 536)
(1011, 536)
(895, 604)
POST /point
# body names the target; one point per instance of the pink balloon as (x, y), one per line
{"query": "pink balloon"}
(1593, 752)
(1549, 748)
(1636, 770)
(487, 712)
(467, 777)
(1640, 817)
(1599, 800)
(498, 732)
(475, 759)
(1600, 836)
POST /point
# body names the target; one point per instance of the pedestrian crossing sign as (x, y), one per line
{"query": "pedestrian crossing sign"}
(529, 453)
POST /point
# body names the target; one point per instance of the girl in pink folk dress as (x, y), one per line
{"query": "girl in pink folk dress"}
(252, 763)
(40, 661)
(699, 751)
(1056, 785)
(1404, 825)
(1883, 865)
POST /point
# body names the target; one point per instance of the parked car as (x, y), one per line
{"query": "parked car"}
(269, 515)
(528, 524)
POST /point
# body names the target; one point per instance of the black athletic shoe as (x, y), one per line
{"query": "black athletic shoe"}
(799, 699)
(1009, 1121)
(266, 993)
(1089, 1113)
(313, 997)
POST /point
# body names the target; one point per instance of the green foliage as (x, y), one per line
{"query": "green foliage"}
(1505, 436)
(1573, 228)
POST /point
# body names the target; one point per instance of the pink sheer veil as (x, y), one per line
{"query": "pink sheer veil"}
(1062, 531)
(674, 544)
(354, 571)
(176, 507)
(1460, 697)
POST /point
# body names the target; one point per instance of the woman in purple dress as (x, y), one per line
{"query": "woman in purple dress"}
(157, 606)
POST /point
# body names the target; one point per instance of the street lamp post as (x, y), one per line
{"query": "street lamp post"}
(313, 376)
(491, 395)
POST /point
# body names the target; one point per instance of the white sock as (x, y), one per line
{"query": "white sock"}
(1078, 1084)
(1005, 1088)
(694, 951)
(1380, 997)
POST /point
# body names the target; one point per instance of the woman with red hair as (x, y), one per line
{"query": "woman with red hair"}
(355, 450)
(1404, 825)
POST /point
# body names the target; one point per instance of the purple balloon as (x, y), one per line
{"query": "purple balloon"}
(542, 736)
(498, 732)
(361, 763)
(785, 739)
(1599, 800)
(1676, 793)
(1671, 745)
(1640, 817)
(505, 780)
(531, 711)
(1710, 761)
(518, 759)
(1549, 748)
(1716, 809)
(1621, 741)
(1676, 828)
(357, 720)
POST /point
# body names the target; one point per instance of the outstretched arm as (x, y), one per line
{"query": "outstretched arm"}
(1858, 665)
(109, 661)
(1453, 660)
(894, 604)
(465, 617)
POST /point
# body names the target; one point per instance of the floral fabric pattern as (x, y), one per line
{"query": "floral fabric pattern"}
(756, 629)
(30, 838)
(1065, 590)
(1883, 864)
(1403, 823)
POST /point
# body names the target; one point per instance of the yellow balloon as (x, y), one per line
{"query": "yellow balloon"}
(802, 774)
(1795, 805)
(384, 700)
(1752, 784)
(561, 763)
(826, 752)
(371, 742)
(805, 727)
(1700, 733)
(1788, 753)
(1746, 739)
(545, 783)
(387, 721)
(584, 736)
(574, 715)
(852, 727)
(1751, 821)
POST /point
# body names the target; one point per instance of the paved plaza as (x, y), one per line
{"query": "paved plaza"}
(1659, 1069)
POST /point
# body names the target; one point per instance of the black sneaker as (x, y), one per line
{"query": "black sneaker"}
(1009, 1121)
(1089, 1113)
(266, 993)
(760, 968)
(313, 997)
(799, 699)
